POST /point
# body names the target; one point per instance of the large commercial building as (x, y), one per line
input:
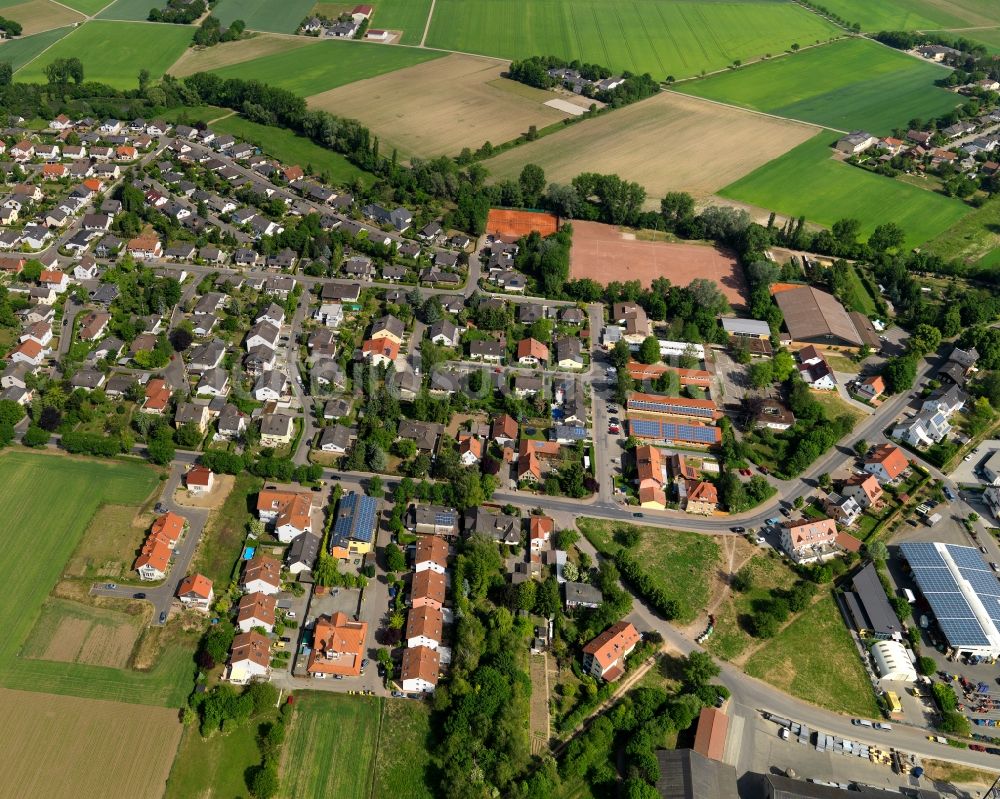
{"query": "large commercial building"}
(815, 317)
(962, 591)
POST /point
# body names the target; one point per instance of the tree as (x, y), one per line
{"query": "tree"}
(649, 350)
(188, 435)
(6, 73)
(761, 374)
(899, 373)
(532, 183)
(375, 488)
(860, 447)
(395, 560)
(161, 450)
(926, 665)
(925, 338)
(878, 551)
(698, 669)
(743, 579)
(824, 481)
(263, 780)
(10, 412)
(180, 339)
(888, 236)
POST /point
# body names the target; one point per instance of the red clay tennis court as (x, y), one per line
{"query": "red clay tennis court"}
(604, 253)
(514, 224)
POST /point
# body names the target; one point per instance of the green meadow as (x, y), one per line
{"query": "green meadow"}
(806, 181)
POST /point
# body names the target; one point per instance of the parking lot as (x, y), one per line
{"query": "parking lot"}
(965, 472)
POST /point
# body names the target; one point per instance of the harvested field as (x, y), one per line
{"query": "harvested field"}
(603, 253)
(70, 632)
(502, 222)
(442, 106)
(666, 143)
(36, 16)
(205, 59)
(42, 730)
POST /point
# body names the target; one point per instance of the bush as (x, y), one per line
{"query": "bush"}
(945, 697)
(627, 536)
(36, 437)
(926, 665)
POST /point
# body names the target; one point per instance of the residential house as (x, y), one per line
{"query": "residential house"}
(338, 648)
(887, 462)
(651, 477)
(335, 439)
(806, 539)
(864, 490)
(195, 592)
(569, 353)
(431, 554)
(353, 531)
(487, 350)
(190, 413)
(262, 574)
(270, 386)
(302, 553)
(213, 383)
(843, 508)
(427, 589)
(925, 429)
(232, 423)
(540, 530)
(199, 480)
(702, 498)
(444, 333)
(531, 352)
(276, 429)
(424, 627)
(419, 672)
(250, 658)
(433, 520)
(256, 610)
(871, 388)
(856, 142)
(499, 527)
(604, 657)
(582, 595)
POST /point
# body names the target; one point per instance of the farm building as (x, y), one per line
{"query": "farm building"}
(892, 662)
(686, 774)
(869, 608)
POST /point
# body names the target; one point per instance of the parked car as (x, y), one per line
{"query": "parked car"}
(882, 725)
(738, 529)
(163, 616)
(140, 595)
(763, 470)
(949, 493)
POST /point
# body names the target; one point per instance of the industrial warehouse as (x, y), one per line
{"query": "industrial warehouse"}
(962, 592)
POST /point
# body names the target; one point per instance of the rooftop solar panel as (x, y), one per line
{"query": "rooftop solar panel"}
(967, 558)
(963, 632)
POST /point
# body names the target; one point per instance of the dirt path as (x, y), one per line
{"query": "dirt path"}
(733, 560)
(539, 709)
(427, 24)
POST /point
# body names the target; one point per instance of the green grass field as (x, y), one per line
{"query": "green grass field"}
(857, 297)
(409, 16)
(226, 529)
(20, 51)
(264, 15)
(47, 504)
(988, 36)
(88, 7)
(681, 563)
(131, 10)
(114, 52)
(403, 759)
(807, 181)
(289, 148)
(972, 238)
(679, 38)
(326, 65)
(846, 85)
(830, 675)
(915, 14)
(330, 747)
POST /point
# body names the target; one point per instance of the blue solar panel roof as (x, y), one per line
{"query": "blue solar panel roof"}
(355, 518)
(943, 589)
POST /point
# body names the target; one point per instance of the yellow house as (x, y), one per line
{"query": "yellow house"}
(276, 429)
(702, 498)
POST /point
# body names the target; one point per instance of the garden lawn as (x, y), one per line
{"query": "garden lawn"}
(115, 52)
(264, 15)
(857, 297)
(47, 503)
(310, 70)
(830, 675)
(403, 759)
(846, 85)
(19, 52)
(899, 15)
(806, 181)
(290, 148)
(680, 563)
(679, 38)
(330, 748)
